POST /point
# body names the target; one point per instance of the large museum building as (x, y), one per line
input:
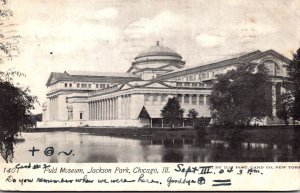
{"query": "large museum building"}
(135, 98)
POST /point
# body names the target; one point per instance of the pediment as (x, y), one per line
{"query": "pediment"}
(125, 87)
(273, 56)
(52, 80)
(156, 85)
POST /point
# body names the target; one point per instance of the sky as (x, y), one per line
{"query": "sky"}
(106, 35)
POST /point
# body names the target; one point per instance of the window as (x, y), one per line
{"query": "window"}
(207, 99)
(203, 75)
(194, 84)
(273, 68)
(70, 115)
(178, 84)
(164, 97)
(186, 98)
(155, 97)
(201, 99)
(90, 86)
(102, 85)
(179, 97)
(147, 97)
(70, 85)
(66, 84)
(83, 85)
(80, 115)
(78, 85)
(194, 99)
(199, 76)
(186, 84)
(97, 85)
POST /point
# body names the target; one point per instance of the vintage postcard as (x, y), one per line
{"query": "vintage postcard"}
(149, 95)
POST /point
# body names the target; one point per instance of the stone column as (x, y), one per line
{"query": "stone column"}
(115, 108)
(125, 113)
(108, 109)
(119, 104)
(122, 102)
(50, 109)
(129, 109)
(92, 103)
(93, 110)
(274, 99)
(105, 109)
(100, 108)
(89, 112)
(54, 107)
(115, 104)
(112, 108)
(96, 110)
(100, 113)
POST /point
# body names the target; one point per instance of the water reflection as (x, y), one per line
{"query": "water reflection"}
(171, 147)
(6, 148)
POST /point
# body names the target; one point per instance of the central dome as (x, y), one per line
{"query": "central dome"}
(158, 51)
(156, 61)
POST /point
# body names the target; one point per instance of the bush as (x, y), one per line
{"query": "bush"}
(200, 125)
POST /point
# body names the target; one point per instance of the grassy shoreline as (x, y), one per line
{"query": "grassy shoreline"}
(273, 134)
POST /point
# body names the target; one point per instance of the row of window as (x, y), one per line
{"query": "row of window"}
(181, 98)
(196, 77)
(193, 84)
(87, 85)
(192, 98)
(204, 75)
(155, 97)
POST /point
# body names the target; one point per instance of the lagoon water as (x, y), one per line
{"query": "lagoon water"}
(89, 147)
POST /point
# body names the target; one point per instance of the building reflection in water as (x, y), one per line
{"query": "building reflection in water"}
(160, 148)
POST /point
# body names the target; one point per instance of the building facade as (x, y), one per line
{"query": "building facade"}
(135, 98)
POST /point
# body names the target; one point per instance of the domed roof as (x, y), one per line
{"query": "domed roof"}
(158, 50)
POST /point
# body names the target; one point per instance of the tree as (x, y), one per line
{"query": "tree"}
(241, 95)
(172, 112)
(192, 114)
(293, 87)
(284, 107)
(16, 104)
(8, 39)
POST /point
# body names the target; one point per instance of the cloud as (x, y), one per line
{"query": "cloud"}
(109, 12)
(99, 15)
(164, 21)
(207, 40)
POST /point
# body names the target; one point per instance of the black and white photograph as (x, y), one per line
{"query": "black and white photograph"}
(149, 81)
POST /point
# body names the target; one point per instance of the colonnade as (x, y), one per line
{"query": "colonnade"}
(53, 108)
(110, 109)
(105, 109)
